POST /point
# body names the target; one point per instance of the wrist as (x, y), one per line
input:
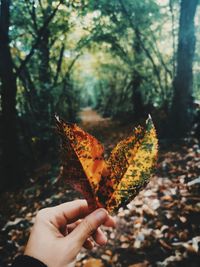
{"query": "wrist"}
(25, 260)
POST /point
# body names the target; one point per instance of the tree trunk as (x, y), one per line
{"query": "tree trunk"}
(11, 174)
(44, 78)
(182, 105)
(137, 100)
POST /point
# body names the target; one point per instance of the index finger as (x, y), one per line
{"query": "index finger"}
(69, 212)
(78, 209)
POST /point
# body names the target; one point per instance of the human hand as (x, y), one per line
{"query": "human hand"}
(58, 234)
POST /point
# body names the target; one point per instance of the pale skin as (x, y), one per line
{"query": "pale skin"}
(60, 232)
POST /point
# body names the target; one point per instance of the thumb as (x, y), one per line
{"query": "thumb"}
(88, 226)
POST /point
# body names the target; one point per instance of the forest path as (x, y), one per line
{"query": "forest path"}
(90, 117)
(107, 130)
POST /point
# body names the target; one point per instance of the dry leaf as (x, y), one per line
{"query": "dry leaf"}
(115, 182)
(93, 263)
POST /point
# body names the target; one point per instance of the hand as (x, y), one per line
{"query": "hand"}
(58, 234)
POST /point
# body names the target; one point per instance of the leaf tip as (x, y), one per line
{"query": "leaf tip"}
(149, 119)
(57, 118)
(149, 123)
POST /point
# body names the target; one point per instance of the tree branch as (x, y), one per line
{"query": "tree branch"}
(156, 71)
(59, 64)
(37, 41)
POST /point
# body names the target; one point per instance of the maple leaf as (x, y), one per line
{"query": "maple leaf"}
(115, 182)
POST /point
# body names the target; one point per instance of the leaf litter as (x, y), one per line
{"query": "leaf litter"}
(160, 227)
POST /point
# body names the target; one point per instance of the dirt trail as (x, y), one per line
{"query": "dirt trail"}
(106, 130)
(89, 117)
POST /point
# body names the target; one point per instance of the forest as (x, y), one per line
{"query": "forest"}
(104, 65)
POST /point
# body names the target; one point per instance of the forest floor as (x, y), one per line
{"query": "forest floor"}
(160, 227)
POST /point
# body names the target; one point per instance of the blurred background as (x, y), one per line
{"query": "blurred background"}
(104, 65)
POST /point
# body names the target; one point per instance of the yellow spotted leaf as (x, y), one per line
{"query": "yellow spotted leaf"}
(140, 152)
(108, 183)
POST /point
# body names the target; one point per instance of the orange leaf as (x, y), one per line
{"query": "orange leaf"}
(112, 183)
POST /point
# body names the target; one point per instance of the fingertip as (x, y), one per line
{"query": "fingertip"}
(110, 222)
(101, 215)
(88, 244)
(103, 241)
(100, 237)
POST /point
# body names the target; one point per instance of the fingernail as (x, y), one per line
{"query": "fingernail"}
(103, 241)
(101, 214)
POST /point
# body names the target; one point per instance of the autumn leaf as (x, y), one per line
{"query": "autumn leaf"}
(132, 162)
(115, 182)
(82, 160)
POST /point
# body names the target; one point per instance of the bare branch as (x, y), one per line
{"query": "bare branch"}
(38, 39)
(59, 64)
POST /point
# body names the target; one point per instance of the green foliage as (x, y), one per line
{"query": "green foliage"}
(44, 83)
(117, 56)
(126, 49)
(131, 33)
